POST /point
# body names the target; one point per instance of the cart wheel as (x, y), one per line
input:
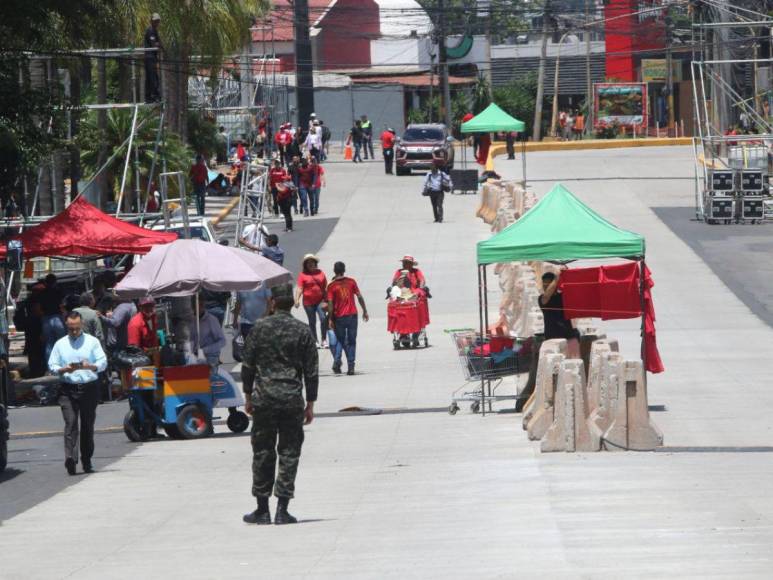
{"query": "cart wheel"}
(193, 422)
(475, 407)
(453, 408)
(396, 344)
(134, 430)
(238, 421)
(426, 342)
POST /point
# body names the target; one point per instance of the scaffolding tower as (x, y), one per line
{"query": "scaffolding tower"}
(732, 99)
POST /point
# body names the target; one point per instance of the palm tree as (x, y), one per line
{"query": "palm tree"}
(213, 29)
(118, 126)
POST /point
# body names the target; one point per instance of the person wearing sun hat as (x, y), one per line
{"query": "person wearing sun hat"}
(414, 276)
(312, 287)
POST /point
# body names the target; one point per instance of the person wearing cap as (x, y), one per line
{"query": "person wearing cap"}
(282, 139)
(313, 142)
(77, 359)
(343, 316)
(279, 359)
(152, 58)
(388, 148)
(414, 276)
(271, 250)
(141, 331)
(312, 287)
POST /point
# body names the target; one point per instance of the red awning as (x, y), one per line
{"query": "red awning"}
(83, 230)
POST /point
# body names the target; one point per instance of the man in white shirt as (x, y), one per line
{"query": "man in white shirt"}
(435, 185)
(253, 237)
(314, 140)
(77, 359)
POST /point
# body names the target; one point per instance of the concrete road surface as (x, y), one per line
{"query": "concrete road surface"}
(416, 493)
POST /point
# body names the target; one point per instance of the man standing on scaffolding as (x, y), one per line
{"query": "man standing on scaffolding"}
(152, 58)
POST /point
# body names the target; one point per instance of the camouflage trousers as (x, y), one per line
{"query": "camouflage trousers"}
(275, 433)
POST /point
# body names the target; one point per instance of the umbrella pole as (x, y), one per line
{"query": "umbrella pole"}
(523, 162)
(198, 327)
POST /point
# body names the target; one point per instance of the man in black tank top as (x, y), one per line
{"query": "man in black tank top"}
(556, 325)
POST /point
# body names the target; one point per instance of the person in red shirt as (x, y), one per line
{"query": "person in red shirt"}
(282, 140)
(342, 312)
(200, 178)
(312, 287)
(415, 276)
(316, 188)
(276, 175)
(307, 175)
(141, 331)
(388, 148)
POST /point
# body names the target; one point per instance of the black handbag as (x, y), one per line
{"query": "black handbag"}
(425, 192)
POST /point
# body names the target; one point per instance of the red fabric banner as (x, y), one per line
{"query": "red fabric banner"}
(613, 293)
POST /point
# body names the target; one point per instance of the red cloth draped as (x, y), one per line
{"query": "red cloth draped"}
(613, 293)
(408, 317)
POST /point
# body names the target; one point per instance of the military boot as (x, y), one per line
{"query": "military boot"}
(261, 516)
(282, 515)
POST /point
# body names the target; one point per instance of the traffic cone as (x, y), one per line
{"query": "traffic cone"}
(348, 152)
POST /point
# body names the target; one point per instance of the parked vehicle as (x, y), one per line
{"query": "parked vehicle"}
(422, 146)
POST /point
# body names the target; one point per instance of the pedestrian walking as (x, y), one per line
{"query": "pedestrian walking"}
(326, 135)
(200, 177)
(343, 316)
(282, 139)
(316, 188)
(388, 149)
(250, 307)
(76, 359)
(306, 178)
(271, 250)
(510, 143)
(312, 288)
(355, 138)
(152, 58)
(280, 353)
(51, 300)
(314, 141)
(276, 175)
(436, 184)
(295, 175)
(367, 137)
(90, 317)
(284, 198)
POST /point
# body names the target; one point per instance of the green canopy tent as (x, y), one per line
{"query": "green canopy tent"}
(560, 228)
(492, 120)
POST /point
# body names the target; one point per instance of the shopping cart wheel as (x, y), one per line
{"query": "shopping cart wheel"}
(453, 408)
(426, 342)
(237, 421)
(475, 407)
(396, 344)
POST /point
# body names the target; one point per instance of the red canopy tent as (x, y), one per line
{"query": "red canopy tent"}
(84, 230)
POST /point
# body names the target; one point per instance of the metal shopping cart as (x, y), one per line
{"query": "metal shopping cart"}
(486, 361)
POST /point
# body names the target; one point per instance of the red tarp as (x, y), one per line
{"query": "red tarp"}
(612, 293)
(83, 230)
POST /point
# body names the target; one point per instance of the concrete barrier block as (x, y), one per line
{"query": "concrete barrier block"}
(569, 429)
(540, 403)
(631, 427)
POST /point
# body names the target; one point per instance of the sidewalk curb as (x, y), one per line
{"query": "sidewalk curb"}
(225, 211)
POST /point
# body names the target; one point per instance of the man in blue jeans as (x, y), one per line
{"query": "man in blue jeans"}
(343, 316)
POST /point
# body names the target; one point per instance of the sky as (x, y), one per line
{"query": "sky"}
(395, 22)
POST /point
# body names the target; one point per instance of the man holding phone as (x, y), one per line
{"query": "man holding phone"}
(77, 359)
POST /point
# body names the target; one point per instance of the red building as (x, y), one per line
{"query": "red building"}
(341, 31)
(634, 29)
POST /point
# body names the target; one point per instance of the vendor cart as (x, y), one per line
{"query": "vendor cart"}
(181, 400)
(485, 362)
(407, 320)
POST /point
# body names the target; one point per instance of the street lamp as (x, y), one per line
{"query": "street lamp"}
(554, 122)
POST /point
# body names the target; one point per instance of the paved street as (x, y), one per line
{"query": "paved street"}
(415, 492)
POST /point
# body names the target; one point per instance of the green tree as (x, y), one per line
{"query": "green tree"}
(119, 121)
(213, 29)
(518, 99)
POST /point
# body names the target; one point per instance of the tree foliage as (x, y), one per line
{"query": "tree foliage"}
(518, 99)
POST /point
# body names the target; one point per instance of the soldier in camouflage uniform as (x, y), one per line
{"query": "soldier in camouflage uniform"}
(279, 356)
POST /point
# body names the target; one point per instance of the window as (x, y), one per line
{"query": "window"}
(423, 134)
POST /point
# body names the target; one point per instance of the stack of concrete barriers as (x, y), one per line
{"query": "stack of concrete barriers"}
(596, 405)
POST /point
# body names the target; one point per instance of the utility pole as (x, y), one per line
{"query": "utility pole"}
(304, 68)
(443, 62)
(670, 74)
(588, 79)
(537, 129)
